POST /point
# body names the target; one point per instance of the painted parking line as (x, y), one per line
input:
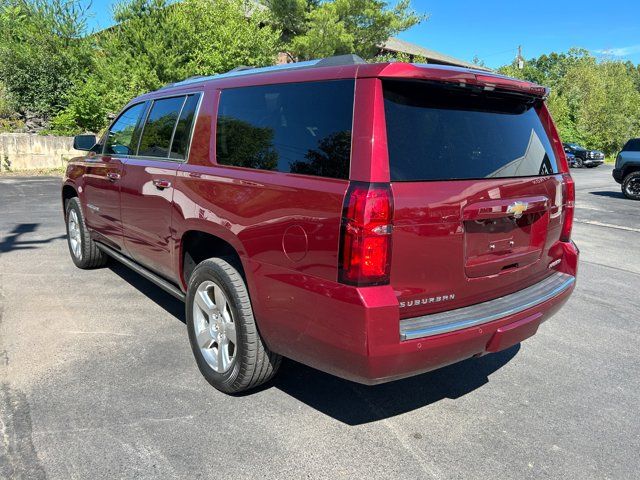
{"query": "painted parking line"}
(608, 225)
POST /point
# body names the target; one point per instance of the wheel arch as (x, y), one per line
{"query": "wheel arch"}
(630, 168)
(197, 245)
(68, 191)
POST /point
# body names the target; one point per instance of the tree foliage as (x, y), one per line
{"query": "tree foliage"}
(596, 103)
(43, 49)
(51, 66)
(156, 43)
(319, 29)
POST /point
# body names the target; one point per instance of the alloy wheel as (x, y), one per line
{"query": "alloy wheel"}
(214, 326)
(75, 238)
(633, 187)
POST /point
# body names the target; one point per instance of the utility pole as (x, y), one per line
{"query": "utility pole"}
(520, 58)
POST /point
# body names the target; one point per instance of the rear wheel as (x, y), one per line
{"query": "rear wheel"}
(84, 251)
(223, 334)
(631, 186)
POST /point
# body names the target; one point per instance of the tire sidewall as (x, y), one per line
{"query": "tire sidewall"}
(73, 204)
(210, 271)
(625, 183)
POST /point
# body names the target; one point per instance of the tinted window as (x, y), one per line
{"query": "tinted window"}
(296, 128)
(158, 128)
(120, 140)
(183, 129)
(439, 133)
(632, 145)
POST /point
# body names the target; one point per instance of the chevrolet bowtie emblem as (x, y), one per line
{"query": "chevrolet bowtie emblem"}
(517, 209)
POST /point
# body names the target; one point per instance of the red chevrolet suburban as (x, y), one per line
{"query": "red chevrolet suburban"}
(373, 221)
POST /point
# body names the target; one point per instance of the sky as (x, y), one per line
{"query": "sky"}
(492, 29)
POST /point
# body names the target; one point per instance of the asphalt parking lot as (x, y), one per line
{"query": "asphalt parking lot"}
(97, 379)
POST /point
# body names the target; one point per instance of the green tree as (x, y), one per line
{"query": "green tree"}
(43, 49)
(319, 29)
(156, 43)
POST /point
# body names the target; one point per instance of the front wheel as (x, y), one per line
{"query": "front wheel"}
(578, 162)
(631, 186)
(84, 251)
(223, 334)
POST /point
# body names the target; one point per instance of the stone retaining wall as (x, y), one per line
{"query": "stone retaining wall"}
(27, 151)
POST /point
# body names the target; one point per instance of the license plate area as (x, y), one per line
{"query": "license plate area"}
(499, 242)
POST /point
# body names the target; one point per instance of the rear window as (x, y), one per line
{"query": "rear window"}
(300, 128)
(440, 133)
(632, 145)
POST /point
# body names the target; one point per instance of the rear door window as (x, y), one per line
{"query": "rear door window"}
(300, 128)
(159, 126)
(121, 139)
(440, 133)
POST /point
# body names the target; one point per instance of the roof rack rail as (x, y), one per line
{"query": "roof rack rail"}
(189, 79)
(335, 61)
(241, 68)
(338, 60)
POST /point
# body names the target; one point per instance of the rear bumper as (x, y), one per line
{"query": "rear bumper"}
(356, 333)
(482, 313)
(617, 175)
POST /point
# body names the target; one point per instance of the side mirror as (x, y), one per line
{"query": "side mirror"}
(84, 142)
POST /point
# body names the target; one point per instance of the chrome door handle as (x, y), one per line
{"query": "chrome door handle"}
(162, 184)
(113, 176)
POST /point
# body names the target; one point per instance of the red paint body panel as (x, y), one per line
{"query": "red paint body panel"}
(285, 229)
(101, 197)
(146, 211)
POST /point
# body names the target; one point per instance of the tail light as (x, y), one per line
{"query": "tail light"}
(569, 198)
(365, 234)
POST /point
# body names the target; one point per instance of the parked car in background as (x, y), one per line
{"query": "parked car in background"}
(571, 159)
(627, 169)
(584, 157)
(373, 221)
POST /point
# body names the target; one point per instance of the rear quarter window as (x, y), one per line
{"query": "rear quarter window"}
(302, 128)
(438, 133)
(632, 145)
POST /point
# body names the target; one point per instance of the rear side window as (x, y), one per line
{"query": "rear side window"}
(120, 139)
(632, 145)
(300, 128)
(440, 133)
(158, 129)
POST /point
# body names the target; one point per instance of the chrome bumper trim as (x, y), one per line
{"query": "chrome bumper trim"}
(445, 322)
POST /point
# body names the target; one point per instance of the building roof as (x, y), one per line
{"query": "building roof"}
(396, 45)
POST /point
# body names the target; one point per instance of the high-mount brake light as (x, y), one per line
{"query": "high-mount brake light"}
(365, 234)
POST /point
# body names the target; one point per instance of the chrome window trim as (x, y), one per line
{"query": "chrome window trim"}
(471, 316)
(196, 114)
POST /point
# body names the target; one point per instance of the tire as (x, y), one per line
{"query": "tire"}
(225, 340)
(579, 163)
(84, 251)
(631, 186)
